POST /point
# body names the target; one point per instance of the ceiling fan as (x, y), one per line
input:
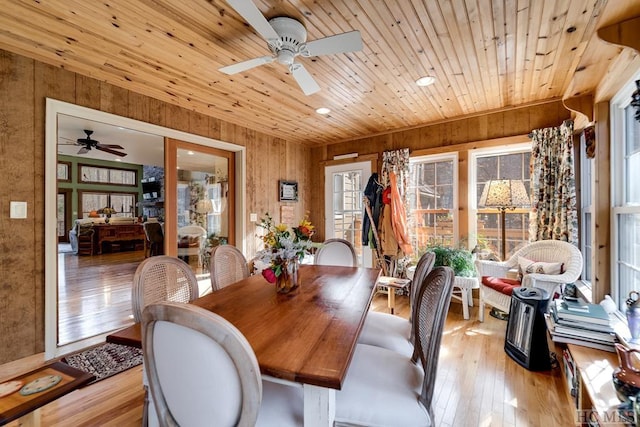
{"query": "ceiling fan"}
(89, 144)
(286, 38)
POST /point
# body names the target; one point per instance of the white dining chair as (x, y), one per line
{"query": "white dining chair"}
(394, 332)
(385, 388)
(228, 265)
(160, 278)
(203, 372)
(338, 252)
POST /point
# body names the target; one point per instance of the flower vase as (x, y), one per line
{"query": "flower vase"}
(288, 280)
(633, 321)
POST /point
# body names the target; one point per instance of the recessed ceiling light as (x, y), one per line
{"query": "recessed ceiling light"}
(426, 81)
(191, 153)
(118, 159)
(323, 110)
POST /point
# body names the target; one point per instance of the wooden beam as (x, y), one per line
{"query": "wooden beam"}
(582, 104)
(624, 33)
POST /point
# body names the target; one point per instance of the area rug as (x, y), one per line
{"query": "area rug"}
(105, 360)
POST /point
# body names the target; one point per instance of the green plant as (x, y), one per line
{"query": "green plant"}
(459, 259)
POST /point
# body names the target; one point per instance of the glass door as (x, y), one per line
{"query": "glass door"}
(202, 218)
(344, 186)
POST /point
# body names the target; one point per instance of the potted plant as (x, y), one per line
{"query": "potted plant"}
(459, 259)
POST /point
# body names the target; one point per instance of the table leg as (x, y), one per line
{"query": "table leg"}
(319, 406)
(391, 299)
(32, 419)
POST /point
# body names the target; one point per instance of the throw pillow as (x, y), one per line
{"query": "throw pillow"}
(527, 266)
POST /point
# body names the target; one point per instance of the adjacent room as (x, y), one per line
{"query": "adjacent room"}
(352, 213)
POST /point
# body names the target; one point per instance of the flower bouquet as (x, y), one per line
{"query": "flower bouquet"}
(283, 251)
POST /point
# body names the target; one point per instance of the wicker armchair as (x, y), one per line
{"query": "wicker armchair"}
(544, 251)
(228, 265)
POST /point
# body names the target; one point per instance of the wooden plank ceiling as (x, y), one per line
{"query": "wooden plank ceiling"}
(485, 55)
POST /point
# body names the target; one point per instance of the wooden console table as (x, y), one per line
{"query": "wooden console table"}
(116, 233)
(594, 396)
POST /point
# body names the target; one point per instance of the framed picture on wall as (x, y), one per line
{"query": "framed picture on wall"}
(288, 191)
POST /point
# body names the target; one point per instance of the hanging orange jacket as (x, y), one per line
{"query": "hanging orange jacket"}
(399, 217)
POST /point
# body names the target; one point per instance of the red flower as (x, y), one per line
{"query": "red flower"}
(268, 274)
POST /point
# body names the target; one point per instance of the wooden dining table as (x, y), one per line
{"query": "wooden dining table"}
(306, 337)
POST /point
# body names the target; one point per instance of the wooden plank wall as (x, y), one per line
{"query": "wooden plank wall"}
(460, 135)
(24, 85)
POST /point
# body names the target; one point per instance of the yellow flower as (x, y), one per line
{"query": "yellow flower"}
(281, 228)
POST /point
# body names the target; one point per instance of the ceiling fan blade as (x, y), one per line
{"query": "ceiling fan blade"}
(304, 79)
(109, 146)
(339, 43)
(250, 12)
(83, 150)
(108, 150)
(246, 65)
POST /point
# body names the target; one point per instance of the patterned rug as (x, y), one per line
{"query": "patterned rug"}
(105, 360)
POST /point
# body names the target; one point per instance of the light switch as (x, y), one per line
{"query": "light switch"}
(18, 210)
(253, 217)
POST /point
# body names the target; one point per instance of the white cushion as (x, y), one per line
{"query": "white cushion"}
(528, 266)
(382, 388)
(282, 405)
(387, 331)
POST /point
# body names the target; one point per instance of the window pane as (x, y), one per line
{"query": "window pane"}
(586, 247)
(489, 225)
(628, 255)
(431, 203)
(347, 202)
(632, 156)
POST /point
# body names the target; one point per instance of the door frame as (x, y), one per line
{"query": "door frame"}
(55, 107)
(369, 162)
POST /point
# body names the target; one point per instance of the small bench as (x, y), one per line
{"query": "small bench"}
(15, 405)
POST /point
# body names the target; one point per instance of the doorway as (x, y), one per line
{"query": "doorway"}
(344, 187)
(53, 268)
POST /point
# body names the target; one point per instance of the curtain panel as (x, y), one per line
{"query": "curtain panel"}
(554, 215)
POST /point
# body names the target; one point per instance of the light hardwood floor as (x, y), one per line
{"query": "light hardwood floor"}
(477, 384)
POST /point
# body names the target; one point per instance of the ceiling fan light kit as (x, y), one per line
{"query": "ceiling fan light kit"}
(287, 38)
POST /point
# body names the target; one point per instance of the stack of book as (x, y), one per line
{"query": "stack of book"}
(581, 323)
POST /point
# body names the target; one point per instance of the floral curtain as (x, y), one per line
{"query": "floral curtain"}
(554, 215)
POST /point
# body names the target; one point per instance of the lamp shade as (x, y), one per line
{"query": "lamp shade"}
(204, 206)
(504, 193)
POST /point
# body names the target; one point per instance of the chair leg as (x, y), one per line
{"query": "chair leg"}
(481, 309)
(145, 408)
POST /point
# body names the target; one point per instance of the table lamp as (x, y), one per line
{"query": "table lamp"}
(504, 194)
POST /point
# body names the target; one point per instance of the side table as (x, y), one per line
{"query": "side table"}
(392, 284)
(462, 287)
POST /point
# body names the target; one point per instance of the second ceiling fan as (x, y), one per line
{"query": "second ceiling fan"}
(287, 39)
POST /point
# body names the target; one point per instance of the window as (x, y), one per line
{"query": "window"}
(625, 141)
(123, 203)
(64, 171)
(347, 204)
(103, 175)
(502, 163)
(432, 198)
(586, 167)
